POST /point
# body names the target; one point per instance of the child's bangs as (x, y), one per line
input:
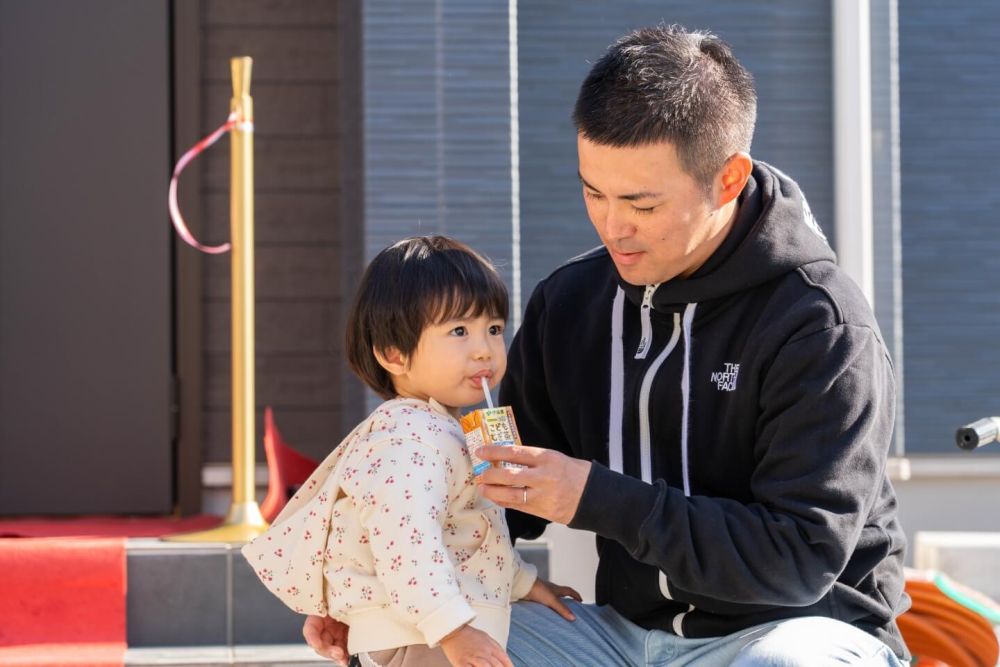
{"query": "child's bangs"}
(472, 296)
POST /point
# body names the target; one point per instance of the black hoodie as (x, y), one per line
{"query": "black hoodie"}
(738, 427)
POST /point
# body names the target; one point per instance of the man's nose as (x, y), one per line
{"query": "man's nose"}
(616, 226)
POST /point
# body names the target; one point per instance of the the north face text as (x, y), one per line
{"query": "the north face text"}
(725, 380)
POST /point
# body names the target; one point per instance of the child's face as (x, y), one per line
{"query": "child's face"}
(450, 360)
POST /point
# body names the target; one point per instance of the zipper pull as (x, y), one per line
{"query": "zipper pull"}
(646, 337)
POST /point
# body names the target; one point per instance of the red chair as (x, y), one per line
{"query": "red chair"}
(287, 468)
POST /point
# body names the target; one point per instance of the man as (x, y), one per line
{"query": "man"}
(708, 392)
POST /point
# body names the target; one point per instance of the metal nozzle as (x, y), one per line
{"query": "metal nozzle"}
(978, 433)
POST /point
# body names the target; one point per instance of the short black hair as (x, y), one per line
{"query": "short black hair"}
(665, 83)
(411, 284)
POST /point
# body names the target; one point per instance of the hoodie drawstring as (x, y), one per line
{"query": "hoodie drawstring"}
(617, 384)
(686, 394)
(617, 398)
(682, 323)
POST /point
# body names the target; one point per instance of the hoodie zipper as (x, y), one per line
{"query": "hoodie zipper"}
(645, 446)
(682, 323)
(646, 337)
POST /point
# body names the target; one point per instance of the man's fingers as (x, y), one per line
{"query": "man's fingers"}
(506, 496)
(500, 476)
(504, 486)
(510, 453)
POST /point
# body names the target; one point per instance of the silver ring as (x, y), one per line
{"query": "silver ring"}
(524, 499)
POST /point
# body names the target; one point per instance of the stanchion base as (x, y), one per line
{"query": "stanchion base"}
(243, 523)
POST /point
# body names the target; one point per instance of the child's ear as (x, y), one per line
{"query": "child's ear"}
(391, 359)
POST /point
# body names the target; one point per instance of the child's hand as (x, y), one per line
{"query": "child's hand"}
(548, 594)
(328, 637)
(468, 647)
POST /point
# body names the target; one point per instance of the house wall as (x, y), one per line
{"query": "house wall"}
(309, 215)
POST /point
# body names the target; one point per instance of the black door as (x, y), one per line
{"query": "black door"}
(85, 267)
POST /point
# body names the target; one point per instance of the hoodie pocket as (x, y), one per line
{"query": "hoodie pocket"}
(486, 575)
(632, 587)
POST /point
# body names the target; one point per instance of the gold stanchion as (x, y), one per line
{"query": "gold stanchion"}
(244, 520)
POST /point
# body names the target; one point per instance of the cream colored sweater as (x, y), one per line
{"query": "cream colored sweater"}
(389, 536)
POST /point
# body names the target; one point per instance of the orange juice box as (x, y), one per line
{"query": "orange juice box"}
(489, 426)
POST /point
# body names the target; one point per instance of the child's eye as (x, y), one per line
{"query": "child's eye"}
(592, 195)
(458, 331)
(496, 330)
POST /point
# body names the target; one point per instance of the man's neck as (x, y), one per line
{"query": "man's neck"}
(728, 214)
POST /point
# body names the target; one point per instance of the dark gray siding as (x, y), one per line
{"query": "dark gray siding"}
(950, 135)
(437, 124)
(785, 44)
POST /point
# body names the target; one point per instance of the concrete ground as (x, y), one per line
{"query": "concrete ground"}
(270, 655)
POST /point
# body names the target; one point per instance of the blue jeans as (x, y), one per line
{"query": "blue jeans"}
(601, 637)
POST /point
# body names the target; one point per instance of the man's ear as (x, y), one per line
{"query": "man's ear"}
(391, 359)
(733, 177)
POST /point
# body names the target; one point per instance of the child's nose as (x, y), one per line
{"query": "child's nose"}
(482, 350)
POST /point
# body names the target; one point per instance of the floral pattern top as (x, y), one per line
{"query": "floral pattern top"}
(391, 525)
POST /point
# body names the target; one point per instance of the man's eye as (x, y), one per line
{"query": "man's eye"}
(496, 330)
(458, 331)
(643, 211)
(592, 195)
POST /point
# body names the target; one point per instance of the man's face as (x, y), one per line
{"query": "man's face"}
(656, 221)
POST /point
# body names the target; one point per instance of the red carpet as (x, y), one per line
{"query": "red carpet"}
(104, 526)
(63, 601)
(62, 587)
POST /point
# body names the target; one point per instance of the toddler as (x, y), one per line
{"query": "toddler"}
(389, 535)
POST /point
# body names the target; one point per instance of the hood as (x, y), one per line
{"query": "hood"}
(774, 234)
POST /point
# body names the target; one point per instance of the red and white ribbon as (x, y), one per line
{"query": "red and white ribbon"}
(175, 212)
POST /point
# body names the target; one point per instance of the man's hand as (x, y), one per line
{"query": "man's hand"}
(548, 594)
(327, 637)
(468, 647)
(550, 484)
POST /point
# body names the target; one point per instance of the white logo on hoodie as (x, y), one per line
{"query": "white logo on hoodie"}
(725, 380)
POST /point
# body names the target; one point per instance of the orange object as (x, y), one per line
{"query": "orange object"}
(939, 630)
(488, 426)
(286, 468)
